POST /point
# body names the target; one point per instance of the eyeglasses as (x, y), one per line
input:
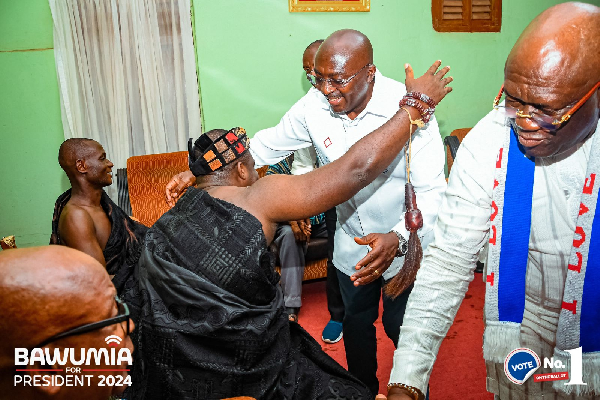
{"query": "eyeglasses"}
(122, 316)
(541, 119)
(336, 83)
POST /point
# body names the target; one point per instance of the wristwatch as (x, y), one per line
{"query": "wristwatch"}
(402, 244)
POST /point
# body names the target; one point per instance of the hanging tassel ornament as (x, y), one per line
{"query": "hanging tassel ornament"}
(413, 220)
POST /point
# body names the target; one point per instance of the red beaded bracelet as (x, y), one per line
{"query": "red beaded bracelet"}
(406, 101)
(423, 97)
(425, 113)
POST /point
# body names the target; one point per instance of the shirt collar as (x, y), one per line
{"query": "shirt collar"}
(380, 103)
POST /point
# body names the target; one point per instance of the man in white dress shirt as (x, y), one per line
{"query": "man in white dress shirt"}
(551, 113)
(353, 99)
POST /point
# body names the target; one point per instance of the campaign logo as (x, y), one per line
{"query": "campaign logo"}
(41, 367)
(113, 340)
(520, 364)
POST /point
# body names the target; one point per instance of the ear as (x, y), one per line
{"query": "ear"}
(242, 170)
(80, 166)
(372, 68)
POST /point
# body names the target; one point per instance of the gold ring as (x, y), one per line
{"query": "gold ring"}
(376, 272)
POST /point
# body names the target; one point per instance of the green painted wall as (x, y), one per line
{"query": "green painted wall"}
(30, 123)
(249, 55)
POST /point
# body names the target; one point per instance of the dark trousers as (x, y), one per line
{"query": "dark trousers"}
(335, 304)
(362, 310)
(292, 260)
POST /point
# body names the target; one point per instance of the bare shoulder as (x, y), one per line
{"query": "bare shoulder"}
(77, 229)
(239, 196)
(255, 199)
(74, 218)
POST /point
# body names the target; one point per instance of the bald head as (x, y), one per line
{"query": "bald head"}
(314, 46)
(308, 57)
(345, 61)
(85, 162)
(553, 65)
(562, 43)
(345, 45)
(71, 150)
(45, 291)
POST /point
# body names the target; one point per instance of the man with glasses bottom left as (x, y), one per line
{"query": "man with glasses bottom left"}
(61, 301)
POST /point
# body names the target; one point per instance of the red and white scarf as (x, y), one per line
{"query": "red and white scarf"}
(579, 320)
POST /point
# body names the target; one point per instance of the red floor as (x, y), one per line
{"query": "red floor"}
(459, 371)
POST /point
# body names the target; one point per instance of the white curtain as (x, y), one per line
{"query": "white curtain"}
(127, 75)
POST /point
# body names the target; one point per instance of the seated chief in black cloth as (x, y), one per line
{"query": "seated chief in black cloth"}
(212, 322)
(86, 219)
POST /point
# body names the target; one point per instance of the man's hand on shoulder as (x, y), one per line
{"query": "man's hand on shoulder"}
(383, 250)
(177, 186)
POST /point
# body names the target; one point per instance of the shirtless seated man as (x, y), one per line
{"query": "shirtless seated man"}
(86, 219)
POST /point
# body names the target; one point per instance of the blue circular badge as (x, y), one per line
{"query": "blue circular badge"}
(520, 364)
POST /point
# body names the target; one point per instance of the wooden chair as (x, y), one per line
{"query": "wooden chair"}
(147, 177)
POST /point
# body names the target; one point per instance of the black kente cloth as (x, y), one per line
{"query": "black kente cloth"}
(212, 323)
(124, 244)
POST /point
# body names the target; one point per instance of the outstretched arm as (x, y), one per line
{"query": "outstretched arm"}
(334, 183)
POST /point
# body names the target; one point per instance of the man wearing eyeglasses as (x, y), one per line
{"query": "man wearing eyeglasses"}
(525, 180)
(352, 99)
(55, 298)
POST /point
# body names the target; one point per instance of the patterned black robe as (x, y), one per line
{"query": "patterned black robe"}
(212, 323)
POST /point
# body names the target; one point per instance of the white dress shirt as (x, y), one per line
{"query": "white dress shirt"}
(462, 230)
(379, 207)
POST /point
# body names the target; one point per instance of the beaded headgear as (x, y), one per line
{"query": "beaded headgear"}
(215, 149)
